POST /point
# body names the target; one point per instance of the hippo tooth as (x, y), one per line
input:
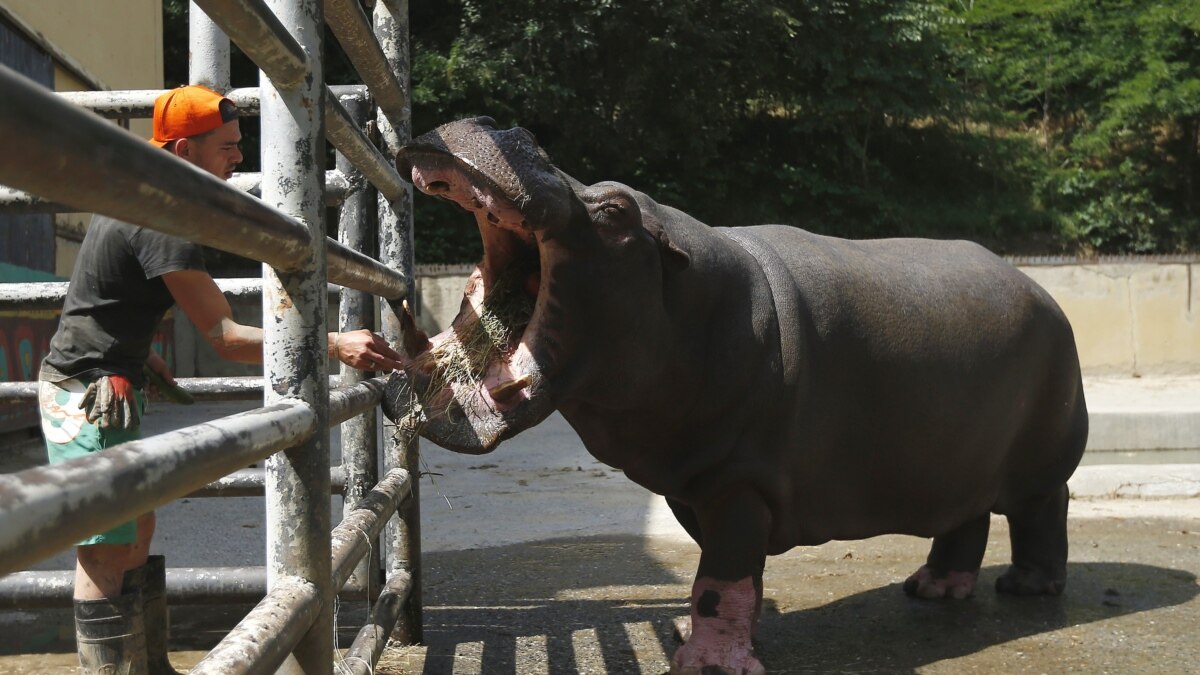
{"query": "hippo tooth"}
(507, 388)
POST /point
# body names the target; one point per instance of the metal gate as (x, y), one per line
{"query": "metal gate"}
(61, 155)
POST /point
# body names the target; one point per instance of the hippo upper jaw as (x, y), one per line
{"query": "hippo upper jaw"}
(488, 376)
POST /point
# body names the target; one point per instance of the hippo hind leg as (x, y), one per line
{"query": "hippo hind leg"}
(952, 567)
(1038, 530)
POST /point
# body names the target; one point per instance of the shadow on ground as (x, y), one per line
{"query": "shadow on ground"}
(605, 605)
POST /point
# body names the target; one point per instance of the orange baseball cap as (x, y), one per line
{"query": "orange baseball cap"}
(186, 111)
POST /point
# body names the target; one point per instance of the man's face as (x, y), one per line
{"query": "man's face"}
(216, 152)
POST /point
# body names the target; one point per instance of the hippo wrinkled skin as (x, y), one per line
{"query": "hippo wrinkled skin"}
(780, 388)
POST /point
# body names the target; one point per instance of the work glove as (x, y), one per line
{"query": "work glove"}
(172, 391)
(110, 403)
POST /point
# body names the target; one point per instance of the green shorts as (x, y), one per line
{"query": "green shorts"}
(69, 436)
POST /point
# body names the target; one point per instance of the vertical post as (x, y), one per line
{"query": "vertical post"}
(208, 51)
(356, 309)
(295, 344)
(402, 551)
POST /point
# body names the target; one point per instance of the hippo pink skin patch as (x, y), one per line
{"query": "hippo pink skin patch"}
(957, 585)
(723, 615)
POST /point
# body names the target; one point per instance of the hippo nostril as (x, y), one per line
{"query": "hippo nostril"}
(491, 218)
(437, 187)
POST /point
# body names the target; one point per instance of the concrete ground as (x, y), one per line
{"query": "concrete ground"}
(539, 559)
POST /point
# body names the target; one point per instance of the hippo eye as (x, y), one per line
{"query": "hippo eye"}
(612, 209)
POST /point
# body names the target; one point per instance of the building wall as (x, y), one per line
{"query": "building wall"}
(116, 44)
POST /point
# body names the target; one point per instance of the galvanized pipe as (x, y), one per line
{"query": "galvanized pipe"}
(402, 548)
(185, 586)
(351, 141)
(46, 509)
(201, 388)
(18, 201)
(352, 28)
(344, 402)
(252, 483)
(353, 536)
(294, 340)
(360, 448)
(43, 295)
(261, 642)
(264, 37)
(368, 646)
(208, 51)
(139, 103)
(67, 155)
(350, 400)
(34, 296)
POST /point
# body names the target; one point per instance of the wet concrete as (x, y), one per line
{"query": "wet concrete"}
(604, 605)
(538, 559)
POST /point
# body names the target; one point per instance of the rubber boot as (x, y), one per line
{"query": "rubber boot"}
(151, 581)
(110, 637)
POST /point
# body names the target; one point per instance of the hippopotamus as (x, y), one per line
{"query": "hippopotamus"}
(778, 387)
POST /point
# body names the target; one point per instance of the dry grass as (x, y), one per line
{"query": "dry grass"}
(463, 359)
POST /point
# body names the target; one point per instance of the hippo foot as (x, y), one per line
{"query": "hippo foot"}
(738, 660)
(1026, 581)
(956, 585)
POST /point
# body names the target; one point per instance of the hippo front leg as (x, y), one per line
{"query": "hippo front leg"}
(727, 593)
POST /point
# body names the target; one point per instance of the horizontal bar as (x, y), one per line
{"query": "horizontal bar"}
(251, 483)
(352, 269)
(362, 396)
(70, 156)
(48, 508)
(139, 103)
(255, 29)
(353, 536)
(347, 401)
(50, 295)
(19, 201)
(263, 639)
(354, 32)
(44, 589)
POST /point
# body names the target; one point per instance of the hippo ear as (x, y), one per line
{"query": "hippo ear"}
(674, 258)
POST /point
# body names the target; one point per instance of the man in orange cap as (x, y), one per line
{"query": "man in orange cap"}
(91, 382)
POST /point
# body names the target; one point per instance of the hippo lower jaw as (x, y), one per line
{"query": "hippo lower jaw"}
(483, 379)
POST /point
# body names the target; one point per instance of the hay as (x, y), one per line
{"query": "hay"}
(464, 358)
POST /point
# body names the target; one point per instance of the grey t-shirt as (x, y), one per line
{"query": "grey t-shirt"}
(116, 300)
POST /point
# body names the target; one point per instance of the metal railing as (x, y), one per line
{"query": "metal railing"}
(64, 155)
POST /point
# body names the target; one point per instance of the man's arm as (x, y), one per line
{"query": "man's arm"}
(199, 297)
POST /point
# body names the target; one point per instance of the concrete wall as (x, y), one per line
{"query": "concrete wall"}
(1128, 318)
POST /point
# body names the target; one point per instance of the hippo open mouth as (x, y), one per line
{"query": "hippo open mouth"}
(483, 379)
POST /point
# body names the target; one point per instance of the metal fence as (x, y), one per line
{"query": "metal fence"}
(63, 155)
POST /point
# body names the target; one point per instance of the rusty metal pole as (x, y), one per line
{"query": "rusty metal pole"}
(294, 344)
(356, 309)
(402, 550)
(208, 51)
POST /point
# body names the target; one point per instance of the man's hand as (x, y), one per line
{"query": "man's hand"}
(364, 350)
(110, 403)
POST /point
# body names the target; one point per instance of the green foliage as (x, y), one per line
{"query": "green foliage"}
(1030, 125)
(1111, 91)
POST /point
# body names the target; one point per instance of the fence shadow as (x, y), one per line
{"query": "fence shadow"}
(605, 605)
